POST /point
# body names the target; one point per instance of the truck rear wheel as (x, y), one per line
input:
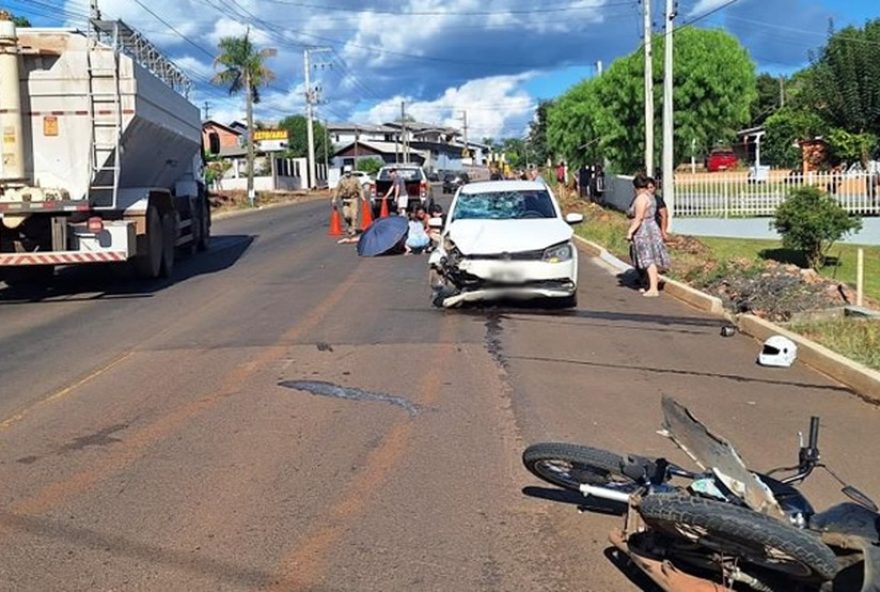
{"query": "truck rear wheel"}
(204, 222)
(169, 243)
(148, 263)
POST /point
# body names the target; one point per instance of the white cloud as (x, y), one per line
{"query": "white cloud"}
(495, 106)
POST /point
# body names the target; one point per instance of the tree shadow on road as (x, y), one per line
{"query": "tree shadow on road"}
(116, 282)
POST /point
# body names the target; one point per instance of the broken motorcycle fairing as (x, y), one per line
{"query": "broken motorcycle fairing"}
(715, 454)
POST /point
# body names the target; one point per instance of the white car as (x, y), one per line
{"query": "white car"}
(505, 239)
(363, 178)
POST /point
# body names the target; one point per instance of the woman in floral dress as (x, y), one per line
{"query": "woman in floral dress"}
(648, 248)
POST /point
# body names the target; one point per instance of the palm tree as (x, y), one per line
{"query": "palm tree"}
(244, 68)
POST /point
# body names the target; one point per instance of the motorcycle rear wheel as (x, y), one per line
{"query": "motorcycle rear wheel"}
(739, 532)
(571, 465)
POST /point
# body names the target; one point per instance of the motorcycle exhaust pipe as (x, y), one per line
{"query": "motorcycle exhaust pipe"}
(602, 493)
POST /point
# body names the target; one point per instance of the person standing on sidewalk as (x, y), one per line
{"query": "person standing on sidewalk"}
(648, 248)
(350, 192)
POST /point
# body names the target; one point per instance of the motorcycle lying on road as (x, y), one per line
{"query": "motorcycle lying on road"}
(723, 527)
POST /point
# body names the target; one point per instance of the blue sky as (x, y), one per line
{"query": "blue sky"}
(494, 59)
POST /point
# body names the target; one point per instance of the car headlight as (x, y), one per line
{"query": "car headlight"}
(558, 253)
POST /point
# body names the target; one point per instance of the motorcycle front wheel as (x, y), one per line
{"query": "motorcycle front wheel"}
(571, 465)
(741, 533)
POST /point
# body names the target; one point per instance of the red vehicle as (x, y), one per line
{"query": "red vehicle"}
(721, 160)
(417, 186)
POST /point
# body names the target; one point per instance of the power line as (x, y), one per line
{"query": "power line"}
(544, 10)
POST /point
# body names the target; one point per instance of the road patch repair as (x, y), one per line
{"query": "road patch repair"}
(863, 381)
(328, 389)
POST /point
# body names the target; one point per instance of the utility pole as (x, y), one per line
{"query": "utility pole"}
(404, 139)
(310, 129)
(94, 12)
(311, 99)
(649, 90)
(207, 108)
(599, 68)
(327, 149)
(465, 127)
(668, 114)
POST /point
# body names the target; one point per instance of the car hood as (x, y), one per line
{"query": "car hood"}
(486, 237)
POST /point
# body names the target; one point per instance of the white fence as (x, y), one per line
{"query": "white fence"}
(735, 195)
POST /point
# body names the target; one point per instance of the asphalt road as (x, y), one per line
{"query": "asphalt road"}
(163, 436)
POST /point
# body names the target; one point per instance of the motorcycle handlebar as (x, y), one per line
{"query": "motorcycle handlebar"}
(814, 432)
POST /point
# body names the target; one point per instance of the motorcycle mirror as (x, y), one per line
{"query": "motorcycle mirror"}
(859, 498)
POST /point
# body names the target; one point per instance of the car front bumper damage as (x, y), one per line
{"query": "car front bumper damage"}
(457, 280)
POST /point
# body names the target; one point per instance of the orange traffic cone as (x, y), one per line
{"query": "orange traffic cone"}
(366, 215)
(335, 223)
(383, 213)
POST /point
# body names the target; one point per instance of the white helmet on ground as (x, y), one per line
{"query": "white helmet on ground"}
(778, 351)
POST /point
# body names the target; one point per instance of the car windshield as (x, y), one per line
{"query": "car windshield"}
(407, 174)
(504, 205)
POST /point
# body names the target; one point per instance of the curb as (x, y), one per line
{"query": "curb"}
(864, 381)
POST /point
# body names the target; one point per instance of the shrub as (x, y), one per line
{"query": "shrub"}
(370, 166)
(811, 222)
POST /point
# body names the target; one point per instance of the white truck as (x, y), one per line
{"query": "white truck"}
(101, 153)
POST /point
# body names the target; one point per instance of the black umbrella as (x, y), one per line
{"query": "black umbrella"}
(382, 236)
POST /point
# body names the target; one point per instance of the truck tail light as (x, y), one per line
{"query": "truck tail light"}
(95, 224)
(423, 189)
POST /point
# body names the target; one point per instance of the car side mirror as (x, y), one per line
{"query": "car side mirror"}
(574, 218)
(436, 223)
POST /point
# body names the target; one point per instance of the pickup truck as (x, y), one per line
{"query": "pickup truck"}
(418, 187)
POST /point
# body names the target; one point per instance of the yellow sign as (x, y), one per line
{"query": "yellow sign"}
(276, 134)
(50, 126)
(9, 135)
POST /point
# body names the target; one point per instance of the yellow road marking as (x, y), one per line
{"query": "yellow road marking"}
(6, 423)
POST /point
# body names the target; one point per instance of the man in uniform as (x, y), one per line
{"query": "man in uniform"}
(349, 191)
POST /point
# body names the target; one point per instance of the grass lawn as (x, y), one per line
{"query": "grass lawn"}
(857, 339)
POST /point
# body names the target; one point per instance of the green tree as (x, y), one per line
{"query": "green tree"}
(515, 151)
(850, 147)
(811, 222)
(297, 143)
(604, 116)
(243, 68)
(768, 99)
(539, 146)
(785, 129)
(845, 82)
(21, 21)
(370, 166)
